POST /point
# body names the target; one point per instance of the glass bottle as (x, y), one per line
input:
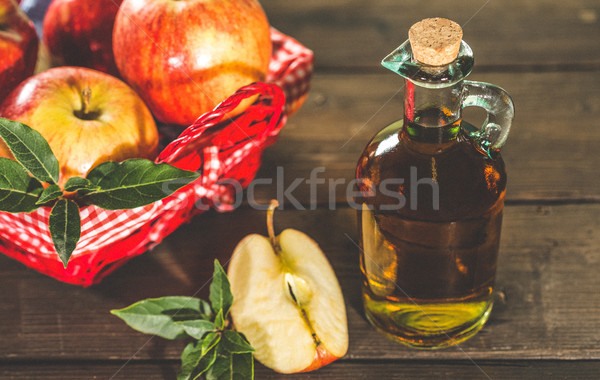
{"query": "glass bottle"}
(431, 198)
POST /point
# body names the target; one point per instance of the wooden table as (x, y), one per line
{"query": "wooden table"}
(546, 319)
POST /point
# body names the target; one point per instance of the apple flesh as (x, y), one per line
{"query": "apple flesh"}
(87, 117)
(287, 301)
(18, 46)
(79, 33)
(185, 57)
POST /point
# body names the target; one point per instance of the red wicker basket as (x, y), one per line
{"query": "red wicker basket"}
(222, 149)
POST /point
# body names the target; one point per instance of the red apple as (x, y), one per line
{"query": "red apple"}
(185, 57)
(18, 46)
(88, 117)
(79, 33)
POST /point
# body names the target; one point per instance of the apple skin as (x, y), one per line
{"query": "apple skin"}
(18, 46)
(120, 126)
(79, 33)
(185, 57)
(322, 358)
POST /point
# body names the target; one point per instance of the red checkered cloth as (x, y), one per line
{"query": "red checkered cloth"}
(225, 149)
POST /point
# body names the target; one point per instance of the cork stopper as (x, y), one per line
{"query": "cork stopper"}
(435, 41)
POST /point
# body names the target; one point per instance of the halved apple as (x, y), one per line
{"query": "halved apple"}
(287, 301)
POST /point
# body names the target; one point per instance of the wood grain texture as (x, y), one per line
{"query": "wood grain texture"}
(364, 370)
(551, 153)
(550, 258)
(546, 320)
(358, 34)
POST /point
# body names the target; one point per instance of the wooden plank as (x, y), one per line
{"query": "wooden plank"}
(155, 370)
(548, 274)
(358, 34)
(551, 153)
(400, 370)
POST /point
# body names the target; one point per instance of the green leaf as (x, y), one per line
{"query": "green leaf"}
(193, 363)
(243, 366)
(197, 328)
(50, 193)
(134, 183)
(229, 366)
(220, 291)
(210, 341)
(216, 353)
(159, 316)
(206, 310)
(219, 320)
(78, 183)
(235, 343)
(65, 228)
(31, 150)
(19, 192)
(201, 310)
(189, 359)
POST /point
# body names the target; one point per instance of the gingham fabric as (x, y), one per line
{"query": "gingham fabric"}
(225, 150)
(291, 69)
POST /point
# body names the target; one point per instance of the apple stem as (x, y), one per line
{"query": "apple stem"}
(86, 95)
(274, 242)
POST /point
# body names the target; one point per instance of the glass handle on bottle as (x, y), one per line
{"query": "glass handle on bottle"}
(500, 113)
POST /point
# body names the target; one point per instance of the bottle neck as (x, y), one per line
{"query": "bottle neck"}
(432, 115)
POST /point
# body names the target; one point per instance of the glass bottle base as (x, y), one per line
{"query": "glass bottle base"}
(427, 325)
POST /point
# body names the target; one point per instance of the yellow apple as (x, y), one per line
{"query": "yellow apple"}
(87, 117)
(287, 301)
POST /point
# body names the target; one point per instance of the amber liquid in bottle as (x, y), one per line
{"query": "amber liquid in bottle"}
(429, 225)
